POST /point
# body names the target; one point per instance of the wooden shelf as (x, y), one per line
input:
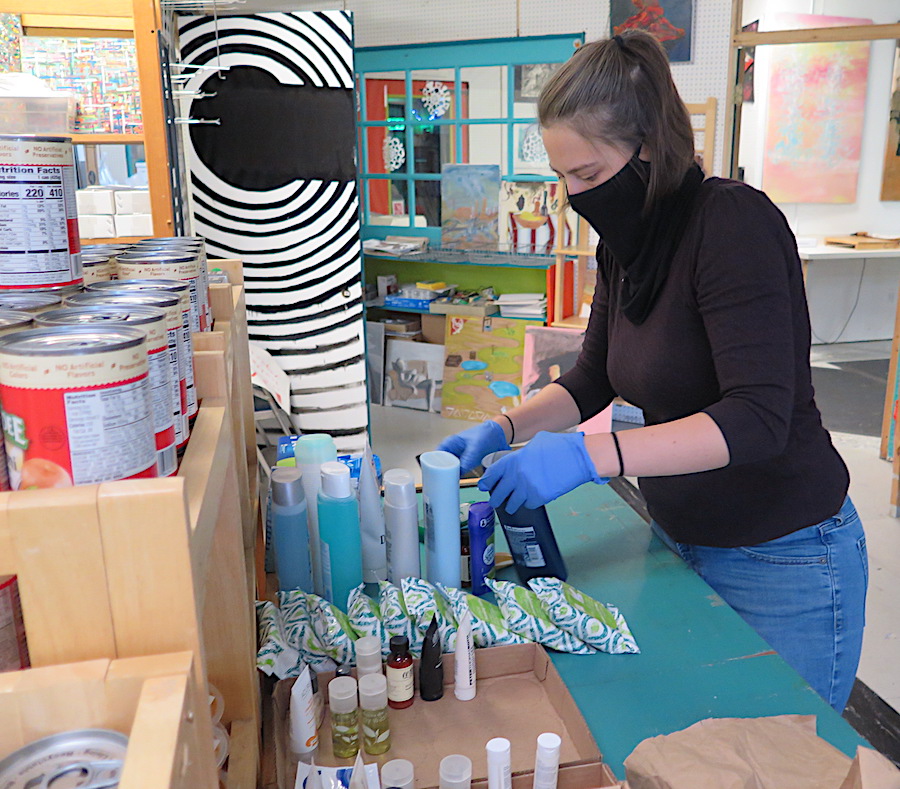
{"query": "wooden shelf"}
(107, 139)
(572, 322)
(575, 252)
(128, 240)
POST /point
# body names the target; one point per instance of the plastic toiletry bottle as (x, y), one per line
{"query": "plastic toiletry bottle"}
(373, 702)
(498, 763)
(464, 660)
(455, 772)
(343, 670)
(368, 656)
(399, 672)
(344, 719)
(431, 665)
(318, 701)
(304, 736)
(401, 522)
(371, 522)
(289, 530)
(546, 760)
(339, 537)
(465, 550)
(531, 539)
(310, 452)
(440, 494)
(481, 545)
(399, 774)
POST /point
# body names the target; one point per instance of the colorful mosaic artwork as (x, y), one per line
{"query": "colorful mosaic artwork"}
(102, 72)
(10, 32)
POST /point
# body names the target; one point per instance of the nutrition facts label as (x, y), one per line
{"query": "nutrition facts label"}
(110, 432)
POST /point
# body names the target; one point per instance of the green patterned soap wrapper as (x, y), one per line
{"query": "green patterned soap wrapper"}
(365, 618)
(423, 603)
(332, 628)
(274, 655)
(524, 615)
(600, 626)
(488, 625)
(394, 616)
(294, 609)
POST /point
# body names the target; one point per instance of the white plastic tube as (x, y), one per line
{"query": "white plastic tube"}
(401, 521)
(546, 760)
(464, 668)
(304, 737)
(371, 523)
(498, 763)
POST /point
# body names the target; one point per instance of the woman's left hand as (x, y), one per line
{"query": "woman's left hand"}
(546, 467)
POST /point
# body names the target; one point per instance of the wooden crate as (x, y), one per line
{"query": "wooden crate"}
(141, 567)
(155, 701)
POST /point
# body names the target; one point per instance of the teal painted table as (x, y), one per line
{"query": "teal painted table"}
(698, 658)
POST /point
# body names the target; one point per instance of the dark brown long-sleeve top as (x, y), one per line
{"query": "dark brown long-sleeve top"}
(729, 335)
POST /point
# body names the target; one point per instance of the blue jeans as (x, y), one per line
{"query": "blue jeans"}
(804, 593)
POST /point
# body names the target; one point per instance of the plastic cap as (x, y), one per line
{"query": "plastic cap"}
(368, 655)
(342, 694)
(488, 460)
(287, 486)
(497, 748)
(335, 480)
(399, 645)
(315, 448)
(399, 491)
(373, 692)
(399, 773)
(437, 458)
(456, 772)
(548, 743)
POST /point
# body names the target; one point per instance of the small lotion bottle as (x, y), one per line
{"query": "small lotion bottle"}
(431, 665)
(498, 763)
(290, 534)
(339, 538)
(310, 452)
(398, 774)
(440, 495)
(342, 699)
(368, 656)
(546, 760)
(464, 663)
(401, 522)
(455, 772)
(304, 729)
(399, 672)
(373, 702)
(371, 522)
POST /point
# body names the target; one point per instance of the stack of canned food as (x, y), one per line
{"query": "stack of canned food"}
(97, 379)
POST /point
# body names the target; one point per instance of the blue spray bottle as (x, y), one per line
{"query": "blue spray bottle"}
(290, 535)
(339, 537)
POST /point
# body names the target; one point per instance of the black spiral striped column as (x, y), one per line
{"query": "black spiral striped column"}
(275, 184)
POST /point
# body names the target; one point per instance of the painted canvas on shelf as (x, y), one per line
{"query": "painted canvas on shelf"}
(890, 181)
(812, 147)
(470, 205)
(413, 373)
(483, 366)
(528, 215)
(670, 22)
(749, 64)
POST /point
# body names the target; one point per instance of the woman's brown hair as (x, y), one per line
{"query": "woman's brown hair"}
(620, 91)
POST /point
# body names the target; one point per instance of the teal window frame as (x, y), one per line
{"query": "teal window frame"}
(508, 52)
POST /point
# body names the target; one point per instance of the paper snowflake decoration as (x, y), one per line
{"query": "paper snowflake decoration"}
(531, 149)
(394, 153)
(436, 98)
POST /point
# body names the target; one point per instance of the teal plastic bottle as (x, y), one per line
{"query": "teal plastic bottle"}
(340, 543)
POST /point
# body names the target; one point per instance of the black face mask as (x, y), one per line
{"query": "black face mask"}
(636, 247)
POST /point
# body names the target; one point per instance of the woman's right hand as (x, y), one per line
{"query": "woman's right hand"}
(471, 445)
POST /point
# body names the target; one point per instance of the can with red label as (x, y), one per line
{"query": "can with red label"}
(170, 304)
(152, 321)
(76, 406)
(97, 267)
(13, 647)
(198, 246)
(173, 287)
(39, 244)
(11, 321)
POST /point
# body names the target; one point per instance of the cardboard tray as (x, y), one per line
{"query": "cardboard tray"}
(519, 695)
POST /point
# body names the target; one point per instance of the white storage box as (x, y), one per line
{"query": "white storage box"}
(96, 226)
(95, 200)
(128, 225)
(37, 114)
(132, 201)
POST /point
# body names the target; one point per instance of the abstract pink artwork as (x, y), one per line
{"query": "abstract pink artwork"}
(814, 125)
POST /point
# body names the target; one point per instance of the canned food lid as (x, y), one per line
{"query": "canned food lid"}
(65, 340)
(28, 301)
(156, 256)
(137, 285)
(153, 298)
(98, 753)
(95, 260)
(139, 314)
(13, 318)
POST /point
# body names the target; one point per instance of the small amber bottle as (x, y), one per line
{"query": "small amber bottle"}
(399, 672)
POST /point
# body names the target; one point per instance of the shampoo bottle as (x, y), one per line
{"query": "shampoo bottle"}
(310, 452)
(481, 545)
(371, 522)
(339, 538)
(401, 521)
(289, 530)
(440, 494)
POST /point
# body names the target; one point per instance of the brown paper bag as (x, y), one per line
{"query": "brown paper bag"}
(871, 770)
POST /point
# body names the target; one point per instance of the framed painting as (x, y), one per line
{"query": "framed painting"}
(671, 22)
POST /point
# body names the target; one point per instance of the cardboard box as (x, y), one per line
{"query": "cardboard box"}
(519, 695)
(134, 225)
(132, 201)
(95, 200)
(401, 325)
(433, 328)
(96, 226)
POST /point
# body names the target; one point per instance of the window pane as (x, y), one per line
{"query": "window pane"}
(530, 156)
(433, 95)
(484, 144)
(387, 202)
(483, 92)
(528, 80)
(385, 149)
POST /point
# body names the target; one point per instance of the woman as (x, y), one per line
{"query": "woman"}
(699, 317)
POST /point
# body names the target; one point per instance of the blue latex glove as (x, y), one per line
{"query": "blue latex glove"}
(471, 445)
(546, 467)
